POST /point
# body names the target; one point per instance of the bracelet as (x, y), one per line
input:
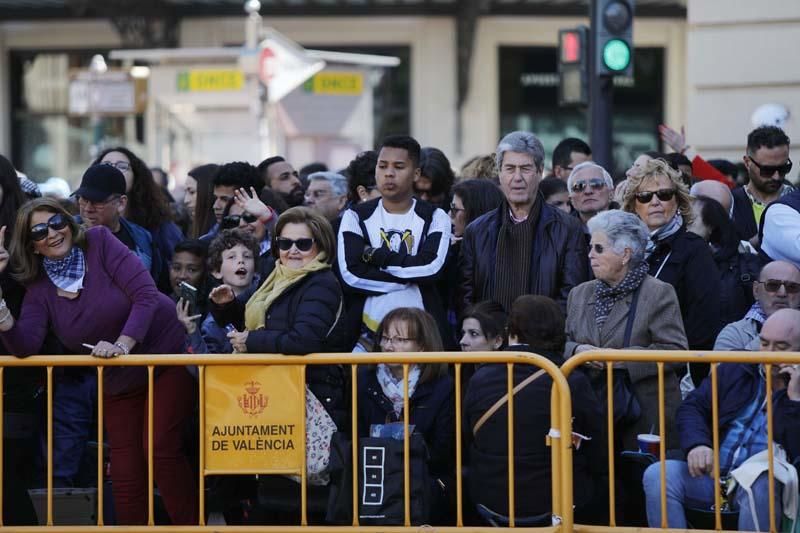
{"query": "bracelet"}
(125, 349)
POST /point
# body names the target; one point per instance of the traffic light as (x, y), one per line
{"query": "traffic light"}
(612, 31)
(573, 67)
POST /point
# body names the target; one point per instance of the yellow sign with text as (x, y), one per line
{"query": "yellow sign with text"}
(210, 80)
(336, 83)
(255, 419)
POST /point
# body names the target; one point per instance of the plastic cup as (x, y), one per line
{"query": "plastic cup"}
(649, 443)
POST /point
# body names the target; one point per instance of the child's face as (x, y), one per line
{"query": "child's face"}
(238, 267)
(186, 266)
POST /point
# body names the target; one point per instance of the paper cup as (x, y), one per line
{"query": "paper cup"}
(649, 443)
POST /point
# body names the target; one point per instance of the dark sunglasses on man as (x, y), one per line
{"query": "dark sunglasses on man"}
(232, 221)
(767, 171)
(665, 195)
(303, 245)
(56, 222)
(595, 184)
(774, 285)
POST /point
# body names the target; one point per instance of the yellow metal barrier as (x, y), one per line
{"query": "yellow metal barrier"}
(561, 415)
(661, 358)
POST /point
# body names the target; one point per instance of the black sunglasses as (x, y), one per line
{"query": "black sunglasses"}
(665, 195)
(767, 171)
(232, 221)
(594, 183)
(774, 285)
(598, 248)
(40, 231)
(303, 245)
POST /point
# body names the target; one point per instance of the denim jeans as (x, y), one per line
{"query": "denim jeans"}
(698, 492)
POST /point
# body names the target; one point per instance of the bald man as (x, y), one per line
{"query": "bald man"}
(742, 434)
(777, 287)
(716, 191)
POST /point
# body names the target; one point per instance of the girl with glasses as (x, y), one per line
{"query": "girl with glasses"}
(92, 292)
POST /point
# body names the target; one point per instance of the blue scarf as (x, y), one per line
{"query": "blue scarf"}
(665, 231)
(67, 273)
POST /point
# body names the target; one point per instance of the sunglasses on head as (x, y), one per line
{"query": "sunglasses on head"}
(767, 171)
(232, 221)
(303, 245)
(40, 231)
(594, 183)
(665, 195)
(774, 285)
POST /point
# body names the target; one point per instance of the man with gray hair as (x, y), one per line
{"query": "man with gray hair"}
(590, 189)
(525, 246)
(327, 193)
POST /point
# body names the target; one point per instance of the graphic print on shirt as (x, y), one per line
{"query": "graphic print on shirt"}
(398, 241)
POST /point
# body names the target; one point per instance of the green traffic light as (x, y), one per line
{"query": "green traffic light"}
(616, 55)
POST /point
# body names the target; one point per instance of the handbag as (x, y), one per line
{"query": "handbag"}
(320, 427)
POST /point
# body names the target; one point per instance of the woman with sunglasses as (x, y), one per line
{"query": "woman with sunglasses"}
(657, 195)
(91, 291)
(625, 307)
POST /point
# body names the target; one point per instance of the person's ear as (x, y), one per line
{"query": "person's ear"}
(342, 202)
(417, 173)
(626, 256)
(497, 342)
(123, 204)
(217, 274)
(362, 193)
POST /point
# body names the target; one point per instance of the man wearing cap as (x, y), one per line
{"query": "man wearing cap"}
(102, 200)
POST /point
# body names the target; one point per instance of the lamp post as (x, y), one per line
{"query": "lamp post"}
(97, 67)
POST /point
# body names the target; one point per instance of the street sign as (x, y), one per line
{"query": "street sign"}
(109, 93)
(210, 80)
(283, 65)
(336, 83)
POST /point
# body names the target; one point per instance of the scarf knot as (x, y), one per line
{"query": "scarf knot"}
(393, 388)
(665, 231)
(606, 296)
(67, 273)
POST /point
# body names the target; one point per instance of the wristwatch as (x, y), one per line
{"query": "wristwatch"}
(367, 254)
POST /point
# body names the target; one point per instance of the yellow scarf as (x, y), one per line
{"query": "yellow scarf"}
(276, 284)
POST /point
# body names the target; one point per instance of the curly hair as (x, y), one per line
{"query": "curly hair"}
(766, 136)
(480, 167)
(147, 204)
(239, 174)
(654, 169)
(538, 322)
(361, 172)
(227, 239)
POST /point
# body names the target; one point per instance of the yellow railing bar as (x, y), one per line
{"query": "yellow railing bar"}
(279, 529)
(100, 454)
(459, 488)
(406, 452)
(715, 440)
(304, 466)
(510, 431)
(49, 445)
(354, 438)
(151, 521)
(201, 486)
(555, 451)
(770, 451)
(662, 448)
(612, 495)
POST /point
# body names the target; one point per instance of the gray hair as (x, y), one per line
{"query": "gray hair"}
(585, 165)
(337, 181)
(624, 230)
(523, 142)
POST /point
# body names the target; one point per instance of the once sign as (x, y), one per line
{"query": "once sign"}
(255, 419)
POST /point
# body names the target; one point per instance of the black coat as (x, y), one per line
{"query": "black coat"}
(532, 457)
(559, 256)
(743, 218)
(737, 273)
(691, 270)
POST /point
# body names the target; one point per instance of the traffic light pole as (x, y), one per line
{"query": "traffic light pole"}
(601, 95)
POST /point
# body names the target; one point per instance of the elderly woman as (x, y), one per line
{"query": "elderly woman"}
(656, 194)
(89, 289)
(625, 307)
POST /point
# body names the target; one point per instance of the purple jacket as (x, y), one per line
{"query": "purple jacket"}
(119, 297)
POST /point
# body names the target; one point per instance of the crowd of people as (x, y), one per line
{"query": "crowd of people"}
(397, 252)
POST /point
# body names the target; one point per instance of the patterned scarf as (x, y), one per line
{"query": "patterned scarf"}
(67, 273)
(756, 313)
(667, 230)
(393, 387)
(606, 296)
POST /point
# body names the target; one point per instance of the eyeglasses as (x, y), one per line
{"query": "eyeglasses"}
(40, 231)
(98, 205)
(665, 195)
(122, 166)
(598, 248)
(304, 245)
(767, 171)
(232, 221)
(454, 210)
(594, 183)
(394, 341)
(774, 285)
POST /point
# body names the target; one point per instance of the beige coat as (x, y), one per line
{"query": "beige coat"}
(657, 326)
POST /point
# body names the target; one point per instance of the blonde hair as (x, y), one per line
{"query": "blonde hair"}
(25, 262)
(654, 169)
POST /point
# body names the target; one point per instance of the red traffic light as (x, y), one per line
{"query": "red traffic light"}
(570, 47)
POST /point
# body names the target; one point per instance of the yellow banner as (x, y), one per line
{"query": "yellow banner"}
(336, 83)
(255, 419)
(210, 80)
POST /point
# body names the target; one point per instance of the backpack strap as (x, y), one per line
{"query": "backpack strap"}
(502, 401)
(631, 317)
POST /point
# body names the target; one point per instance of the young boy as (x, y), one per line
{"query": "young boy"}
(232, 258)
(189, 265)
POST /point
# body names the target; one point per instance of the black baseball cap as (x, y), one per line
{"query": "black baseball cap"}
(99, 182)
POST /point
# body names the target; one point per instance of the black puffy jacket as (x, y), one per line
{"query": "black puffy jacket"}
(559, 257)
